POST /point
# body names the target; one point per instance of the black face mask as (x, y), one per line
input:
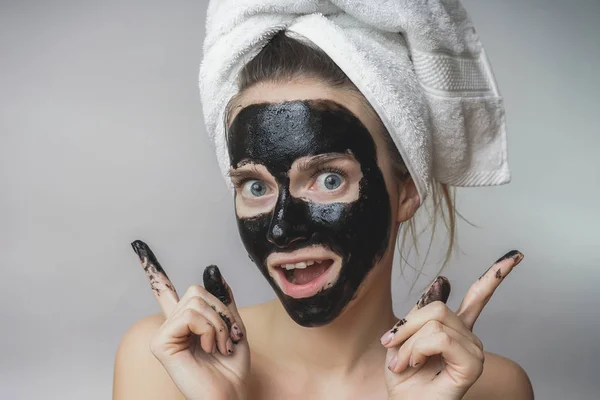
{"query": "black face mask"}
(275, 135)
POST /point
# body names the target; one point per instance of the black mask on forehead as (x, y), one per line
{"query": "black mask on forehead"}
(275, 135)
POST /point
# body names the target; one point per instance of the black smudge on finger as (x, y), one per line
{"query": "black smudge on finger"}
(398, 325)
(214, 283)
(438, 291)
(159, 281)
(516, 255)
(143, 252)
(510, 254)
(224, 317)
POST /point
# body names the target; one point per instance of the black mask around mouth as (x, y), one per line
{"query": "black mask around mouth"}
(275, 135)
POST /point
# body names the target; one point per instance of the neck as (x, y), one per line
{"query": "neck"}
(348, 342)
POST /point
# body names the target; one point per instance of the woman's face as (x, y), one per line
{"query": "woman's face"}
(315, 198)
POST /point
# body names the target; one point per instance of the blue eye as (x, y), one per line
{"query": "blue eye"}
(255, 188)
(329, 181)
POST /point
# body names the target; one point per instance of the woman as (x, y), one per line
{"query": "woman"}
(321, 191)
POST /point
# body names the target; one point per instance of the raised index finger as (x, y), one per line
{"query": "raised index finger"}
(161, 285)
(482, 290)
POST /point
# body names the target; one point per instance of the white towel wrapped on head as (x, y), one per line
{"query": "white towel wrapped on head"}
(419, 64)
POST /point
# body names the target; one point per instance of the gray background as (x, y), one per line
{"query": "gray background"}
(102, 142)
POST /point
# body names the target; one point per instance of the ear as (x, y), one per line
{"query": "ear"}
(408, 201)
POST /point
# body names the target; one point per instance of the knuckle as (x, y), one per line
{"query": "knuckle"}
(434, 326)
(196, 290)
(440, 310)
(156, 346)
(188, 315)
(445, 339)
(479, 343)
(480, 355)
(472, 370)
(478, 369)
(198, 302)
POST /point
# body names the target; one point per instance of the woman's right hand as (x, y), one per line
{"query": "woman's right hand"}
(202, 343)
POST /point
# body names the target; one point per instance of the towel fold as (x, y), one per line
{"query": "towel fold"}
(419, 63)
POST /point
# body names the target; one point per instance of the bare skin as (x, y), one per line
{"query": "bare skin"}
(344, 359)
(274, 375)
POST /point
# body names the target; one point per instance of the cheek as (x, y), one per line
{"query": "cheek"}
(332, 217)
(253, 232)
(390, 181)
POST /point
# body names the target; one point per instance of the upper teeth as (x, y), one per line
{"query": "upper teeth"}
(301, 264)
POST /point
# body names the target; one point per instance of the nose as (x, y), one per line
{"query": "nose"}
(288, 223)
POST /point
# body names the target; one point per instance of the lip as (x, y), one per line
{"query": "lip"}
(317, 253)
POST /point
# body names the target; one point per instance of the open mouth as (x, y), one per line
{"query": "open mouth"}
(305, 271)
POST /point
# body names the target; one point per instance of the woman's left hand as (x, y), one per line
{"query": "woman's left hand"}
(432, 352)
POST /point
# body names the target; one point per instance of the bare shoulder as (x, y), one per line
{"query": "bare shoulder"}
(137, 373)
(502, 379)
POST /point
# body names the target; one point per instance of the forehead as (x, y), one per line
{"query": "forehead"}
(297, 89)
(307, 88)
(277, 134)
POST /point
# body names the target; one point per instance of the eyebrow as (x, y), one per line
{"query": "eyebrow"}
(320, 159)
(249, 172)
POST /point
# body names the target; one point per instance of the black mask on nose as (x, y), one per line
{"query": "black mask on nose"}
(275, 135)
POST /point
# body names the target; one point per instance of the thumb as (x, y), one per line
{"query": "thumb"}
(216, 285)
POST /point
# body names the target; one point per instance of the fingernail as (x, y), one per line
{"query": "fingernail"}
(215, 284)
(146, 256)
(214, 348)
(438, 291)
(236, 333)
(514, 254)
(518, 258)
(236, 329)
(393, 363)
(387, 337)
(411, 363)
(229, 346)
